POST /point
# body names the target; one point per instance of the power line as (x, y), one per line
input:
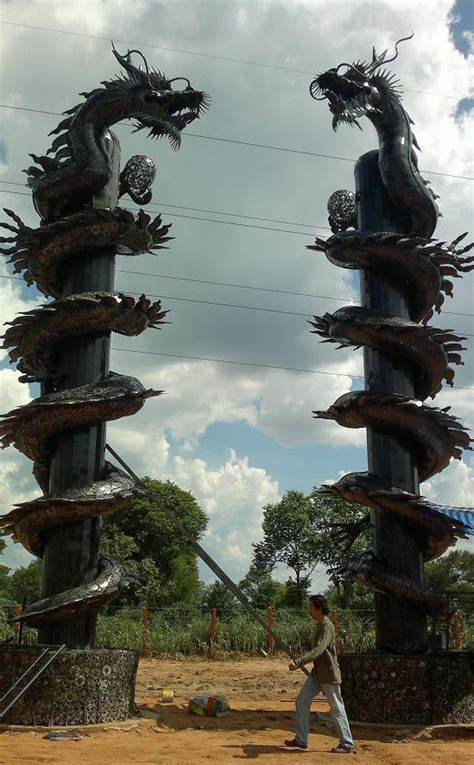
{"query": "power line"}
(252, 364)
(313, 154)
(248, 143)
(196, 53)
(235, 305)
(197, 217)
(229, 361)
(241, 363)
(222, 284)
(212, 212)
(239, 286)
(264, 289)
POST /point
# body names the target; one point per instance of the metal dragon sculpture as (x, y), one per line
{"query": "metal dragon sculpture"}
(425, 267)
(64, 186)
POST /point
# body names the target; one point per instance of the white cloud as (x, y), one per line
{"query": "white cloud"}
(11, 300)
(232, 493)
(233, 496)
(454, 486)
(260, 105)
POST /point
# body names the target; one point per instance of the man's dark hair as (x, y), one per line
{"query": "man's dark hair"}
(320, 602)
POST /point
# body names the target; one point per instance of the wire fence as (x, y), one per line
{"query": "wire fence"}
(186, 630)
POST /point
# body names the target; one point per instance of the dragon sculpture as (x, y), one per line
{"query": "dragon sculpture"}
(425, 267)
(64, 186)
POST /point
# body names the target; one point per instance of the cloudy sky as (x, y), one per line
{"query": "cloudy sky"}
(245, 193)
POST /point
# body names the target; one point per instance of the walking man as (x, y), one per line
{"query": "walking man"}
(325, 676)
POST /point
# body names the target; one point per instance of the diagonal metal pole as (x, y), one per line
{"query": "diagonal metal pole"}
(235, 590)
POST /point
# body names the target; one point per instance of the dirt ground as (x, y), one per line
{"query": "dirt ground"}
(260, 693)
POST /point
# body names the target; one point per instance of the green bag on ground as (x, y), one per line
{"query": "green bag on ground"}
(213, 706)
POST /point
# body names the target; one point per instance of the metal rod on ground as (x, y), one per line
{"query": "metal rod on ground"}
(236, 591)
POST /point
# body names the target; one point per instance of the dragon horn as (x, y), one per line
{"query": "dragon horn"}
(125, 61)
(379, 60)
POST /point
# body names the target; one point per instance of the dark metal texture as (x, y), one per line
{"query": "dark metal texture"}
(404, 274)
(28, 521)
(399, 622)
(71, 552)
(81, 687)
(30, 677)
(137, 178)
(65, 345)
(408, 690)
(42, 254)
(365, 89)
(342, 209)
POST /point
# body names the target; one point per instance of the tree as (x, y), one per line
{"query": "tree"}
(350, 595)
(294, 595)
(261, 589)
(290, 537)
(452, 572)
(123, 549)
(25, 582)
(144, 539)
(343, 530)
(218, 596)
(5, 582)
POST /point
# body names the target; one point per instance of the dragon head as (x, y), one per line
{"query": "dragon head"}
(357, 90)
(154, 103)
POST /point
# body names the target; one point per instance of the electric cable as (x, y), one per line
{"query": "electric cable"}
(194, 53)
(248, 143)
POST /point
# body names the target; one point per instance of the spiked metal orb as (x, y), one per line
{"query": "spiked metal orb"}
(342, 209)
(137, 177)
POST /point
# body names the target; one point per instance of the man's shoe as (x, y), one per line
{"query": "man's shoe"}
(343, 749)
(293, 742)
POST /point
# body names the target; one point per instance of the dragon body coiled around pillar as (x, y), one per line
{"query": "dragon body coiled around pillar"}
(65, 183)
(425, 267)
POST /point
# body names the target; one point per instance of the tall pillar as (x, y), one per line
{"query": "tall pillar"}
(400, 626)
(72, 551)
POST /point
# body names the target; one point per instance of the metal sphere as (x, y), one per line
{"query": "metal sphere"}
(139, 173)
(342, 208)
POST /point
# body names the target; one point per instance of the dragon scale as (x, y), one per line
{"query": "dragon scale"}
(76, 228)
(421, 270)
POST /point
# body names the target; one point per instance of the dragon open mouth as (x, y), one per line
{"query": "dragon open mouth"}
(350, 95)
(361, 89)
(174, 110)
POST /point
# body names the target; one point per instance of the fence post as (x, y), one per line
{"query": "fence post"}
(145, 629)
(269, 629)
(212, 630)
(335, 621)
(16, 625)
(457, 631)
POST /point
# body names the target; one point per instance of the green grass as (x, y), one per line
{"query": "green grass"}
(185, 631)
(178, 631)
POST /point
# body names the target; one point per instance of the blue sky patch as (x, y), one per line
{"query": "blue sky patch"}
(463, 21)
